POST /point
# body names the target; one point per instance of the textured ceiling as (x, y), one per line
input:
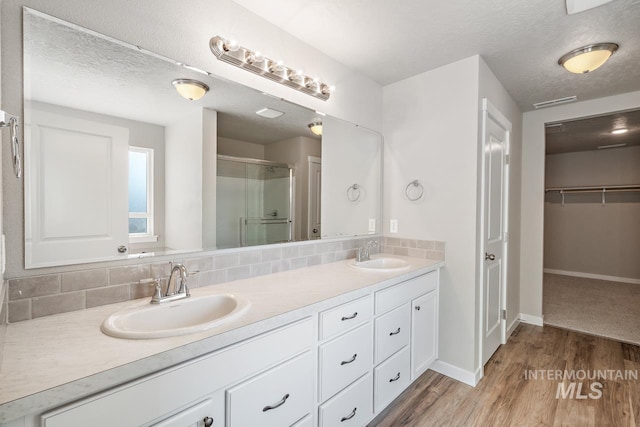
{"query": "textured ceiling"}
(68, 66)
(521, 41)
(588, 134)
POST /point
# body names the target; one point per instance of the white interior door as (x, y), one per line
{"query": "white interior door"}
(315, 183)
(496, 133)
(77, 166)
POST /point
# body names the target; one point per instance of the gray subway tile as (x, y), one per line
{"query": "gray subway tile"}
(250, 257)
(34, 286)
(271, 254)
(160, 269)
(426, 244)
(300, 262)
(260, 269)
(144, 290)
(108, 295)
(238, 273)
(199, 264)
(85, 279)
(440, 246)
(314, 260)
(418, 253)
(401, 251)
(129, 274)
(305, 250)
(408, 243)
(225, 261)
(393, 241)
(387, 249)
(328, 247)
(435, 255)
(282, 265)
(213, 277)
(59, 303)
(19, 310)
(328, 257)
(290, 251)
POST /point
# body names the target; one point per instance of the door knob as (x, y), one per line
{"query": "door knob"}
(489, 257)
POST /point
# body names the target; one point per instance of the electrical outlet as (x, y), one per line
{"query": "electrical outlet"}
(393, 226)
(372, 225)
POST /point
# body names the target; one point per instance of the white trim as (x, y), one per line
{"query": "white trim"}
(593, 276)
(456, 373)
(531, 320)
(512, 327)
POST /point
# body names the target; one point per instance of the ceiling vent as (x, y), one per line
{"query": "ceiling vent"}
(269, 113)
(554, 127)
(553, 102)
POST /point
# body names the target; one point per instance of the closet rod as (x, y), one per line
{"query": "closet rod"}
(596, 189)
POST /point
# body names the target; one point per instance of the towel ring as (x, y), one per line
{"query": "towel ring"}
(353, 193)
(414, 183)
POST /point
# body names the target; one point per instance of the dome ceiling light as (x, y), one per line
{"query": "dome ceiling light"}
(190, 89)
(316, 127)
(588, 58)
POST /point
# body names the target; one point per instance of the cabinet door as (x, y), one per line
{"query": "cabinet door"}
(424, 332)
(209, 413)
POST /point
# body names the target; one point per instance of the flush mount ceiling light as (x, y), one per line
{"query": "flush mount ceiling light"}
(316, 127)
(619, 131)
(587, 58)
(229, 52)
(190, 89)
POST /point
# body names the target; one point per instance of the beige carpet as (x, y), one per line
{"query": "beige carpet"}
(596, 307)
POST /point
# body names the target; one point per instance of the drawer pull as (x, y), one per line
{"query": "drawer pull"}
(394, 333)
(351, 415)
(346, 362)
(396, 378)
(418, 307)
(208, 421)
(353, 316)
(276, 405)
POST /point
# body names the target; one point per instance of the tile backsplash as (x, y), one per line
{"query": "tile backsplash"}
(42, 295)
(3, 315)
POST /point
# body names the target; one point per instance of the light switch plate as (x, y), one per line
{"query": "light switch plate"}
(393, 226)
(372, 224)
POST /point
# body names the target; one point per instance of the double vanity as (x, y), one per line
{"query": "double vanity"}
(328, 345)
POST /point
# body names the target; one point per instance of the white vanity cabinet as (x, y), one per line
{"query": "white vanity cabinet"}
(193, 393)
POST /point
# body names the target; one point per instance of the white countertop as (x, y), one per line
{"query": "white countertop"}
(57, 359)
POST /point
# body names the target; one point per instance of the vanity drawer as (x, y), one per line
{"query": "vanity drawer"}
(344, 359)
(392, 297)
(350, 408)
(391, 378)
(392, 331)
(345, 317)
(281, 396)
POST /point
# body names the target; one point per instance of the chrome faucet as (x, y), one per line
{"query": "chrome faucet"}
(173, 293)
(364, 251)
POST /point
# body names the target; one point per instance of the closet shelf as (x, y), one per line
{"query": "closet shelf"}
(595, 189)
(603, 189)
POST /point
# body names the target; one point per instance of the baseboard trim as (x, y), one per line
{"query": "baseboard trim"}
(593, 276)
(531, 320)
(456, 373)
(512, 327)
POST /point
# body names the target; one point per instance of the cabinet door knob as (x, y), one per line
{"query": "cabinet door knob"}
(353, 316)
(277, 404)
(394, 333)
(351, 415)
(345, 362)
(208, 421)
(489, 257)
(417, 307)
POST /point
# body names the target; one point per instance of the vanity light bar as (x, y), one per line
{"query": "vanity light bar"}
(247, 59)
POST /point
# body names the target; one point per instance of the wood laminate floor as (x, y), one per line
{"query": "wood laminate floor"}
(504, 397)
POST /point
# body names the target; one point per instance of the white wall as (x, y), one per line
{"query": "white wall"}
(532, 207)
(430, 129)
(183, 149)
(179, 31)
(432, 133)
(236, 148)
(343, 142)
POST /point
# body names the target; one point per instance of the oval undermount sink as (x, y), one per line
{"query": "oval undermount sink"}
(185, 316)
(382, 264)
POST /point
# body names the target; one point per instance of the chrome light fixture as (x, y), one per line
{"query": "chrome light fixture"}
(316, 127)
(190, 89)
(587, 58)
(229, 52)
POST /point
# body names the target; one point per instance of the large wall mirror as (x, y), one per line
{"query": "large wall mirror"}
(118, 164)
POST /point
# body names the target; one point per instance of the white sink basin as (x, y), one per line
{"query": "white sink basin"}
(381, 264)
(186, 316)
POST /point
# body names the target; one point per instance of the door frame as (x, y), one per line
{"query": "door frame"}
(489, 110)
(317, 160)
